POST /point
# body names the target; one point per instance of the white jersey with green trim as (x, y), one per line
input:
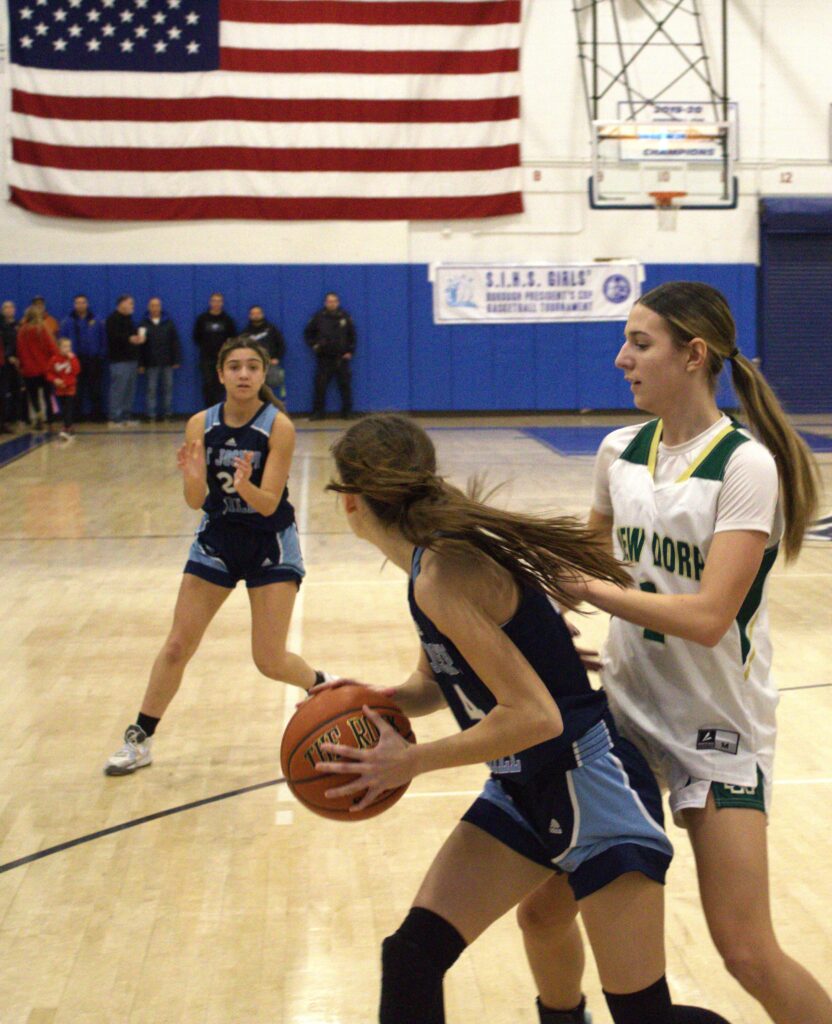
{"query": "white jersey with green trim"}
(711, 709)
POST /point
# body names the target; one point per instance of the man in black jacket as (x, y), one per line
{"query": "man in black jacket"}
(160, 357)
(211, 329)
(331, 336)
(265, 333)
(123, 341)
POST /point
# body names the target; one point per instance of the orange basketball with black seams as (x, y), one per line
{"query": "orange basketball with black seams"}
(337, 716)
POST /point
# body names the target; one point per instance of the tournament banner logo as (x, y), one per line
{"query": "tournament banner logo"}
(468, 293)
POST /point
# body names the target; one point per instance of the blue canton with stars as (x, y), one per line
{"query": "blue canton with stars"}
(115, 35)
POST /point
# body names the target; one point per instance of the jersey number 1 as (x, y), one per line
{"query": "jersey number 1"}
(651, 634)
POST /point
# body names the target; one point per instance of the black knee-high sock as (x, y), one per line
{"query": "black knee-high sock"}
(652, 1005)
(573, 1016)
(414, 961)
(695, 1015)
(649, 1006)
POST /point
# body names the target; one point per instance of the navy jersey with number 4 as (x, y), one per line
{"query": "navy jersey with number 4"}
(224, 444)
(540, 634)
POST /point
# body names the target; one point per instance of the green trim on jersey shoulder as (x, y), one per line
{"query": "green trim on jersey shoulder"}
(712, 467)
(753, 598)
(638, 450)
(709, 465)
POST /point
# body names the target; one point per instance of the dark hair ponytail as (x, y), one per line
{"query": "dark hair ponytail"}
(391, 463)
(265, 394)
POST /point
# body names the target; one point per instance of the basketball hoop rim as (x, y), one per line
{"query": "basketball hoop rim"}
(666, 200)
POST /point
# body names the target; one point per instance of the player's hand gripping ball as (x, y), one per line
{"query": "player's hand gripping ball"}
(336, 715)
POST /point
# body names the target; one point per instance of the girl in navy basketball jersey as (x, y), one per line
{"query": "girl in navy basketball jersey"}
(235, 464)
(566, 794)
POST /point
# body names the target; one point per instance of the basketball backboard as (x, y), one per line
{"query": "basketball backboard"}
(632, 161)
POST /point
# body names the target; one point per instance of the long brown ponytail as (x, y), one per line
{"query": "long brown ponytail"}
(265, 394)
(696, 310)
(390, 461)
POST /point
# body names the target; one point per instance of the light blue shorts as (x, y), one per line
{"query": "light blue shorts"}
(595, 822)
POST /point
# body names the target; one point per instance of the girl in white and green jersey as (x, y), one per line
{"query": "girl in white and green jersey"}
(699, 506)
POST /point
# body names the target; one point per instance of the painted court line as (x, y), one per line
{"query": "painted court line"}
(294, 642)
(282, 817)
(101, 833)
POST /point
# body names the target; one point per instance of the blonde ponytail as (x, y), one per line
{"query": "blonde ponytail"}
(796, 468)
(696, 310)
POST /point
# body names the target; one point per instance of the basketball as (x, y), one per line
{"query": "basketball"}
(336, 716)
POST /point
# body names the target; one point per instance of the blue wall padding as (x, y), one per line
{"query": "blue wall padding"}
(795, 299)
(796, 215)
(404, 360)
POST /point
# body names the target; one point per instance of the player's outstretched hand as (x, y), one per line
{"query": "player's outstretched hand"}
(242, 468)
(387, 765)
(191, 460)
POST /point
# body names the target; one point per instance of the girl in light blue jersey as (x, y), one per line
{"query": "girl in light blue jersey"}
(235, 467)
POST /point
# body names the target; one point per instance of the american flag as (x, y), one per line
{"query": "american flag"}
(276, 109)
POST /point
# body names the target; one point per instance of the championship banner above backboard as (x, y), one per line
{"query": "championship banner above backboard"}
(469, 293)
(670, 114)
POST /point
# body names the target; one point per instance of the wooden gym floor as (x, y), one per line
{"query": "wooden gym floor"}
(248, 909)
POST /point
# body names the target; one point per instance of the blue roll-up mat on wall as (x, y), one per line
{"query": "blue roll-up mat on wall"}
(796, 215)
(796, 299)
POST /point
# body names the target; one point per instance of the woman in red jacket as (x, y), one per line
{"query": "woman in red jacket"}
(35, 349)
(63, 376)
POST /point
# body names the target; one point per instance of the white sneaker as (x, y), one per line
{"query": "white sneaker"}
(65, 435)
(132, 423)
(135, 753)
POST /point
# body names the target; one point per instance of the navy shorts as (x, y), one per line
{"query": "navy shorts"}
(225, 553)
(594, 822)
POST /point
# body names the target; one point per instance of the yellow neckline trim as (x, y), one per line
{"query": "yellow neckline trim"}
(653, 454)
(705, 453)
(697, 462)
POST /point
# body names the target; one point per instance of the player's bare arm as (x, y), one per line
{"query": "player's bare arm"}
(419, 694)
(450, 593)
(266, 497)
(704, 617)
(191, 461)
(454, 593)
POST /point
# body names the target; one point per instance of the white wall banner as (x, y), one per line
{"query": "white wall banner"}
(665, 145)
(514, 293)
